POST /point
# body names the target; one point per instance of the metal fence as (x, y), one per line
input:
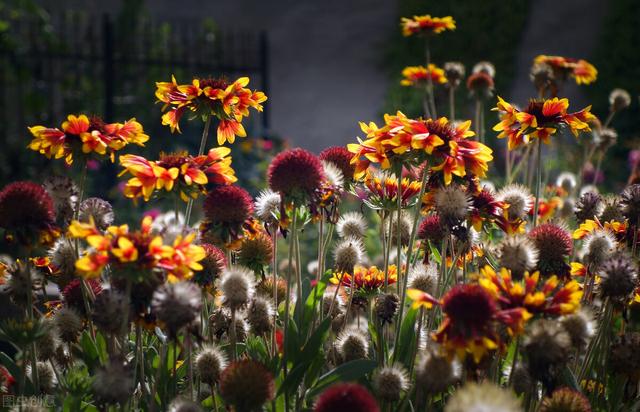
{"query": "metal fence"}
(97, 64)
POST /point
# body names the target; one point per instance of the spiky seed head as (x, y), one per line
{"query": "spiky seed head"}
(352, 345)
(386, 307)
(522, 381)
(352, 225)
(588, 206)
(565, 400)
(580, 327)
(554, 244)
(618, 277)
(630, 203)
(546, 347)
(452, 204)
(406, 225)
(341, 157)
(517, 199)
(454, 72)
(113, 383)
(390, 382)
(434, 373)
(347, 254)
(619, 99)
(260, 316)
(485, 67)
(184, 405)
(256, 252)
(109, 308)
(237, 287)
(567, 181)
(479, 397)
(177, 305)
(333, 175)
(68, 323)
(64, 193)
(209, 362)
(518, 254)
(268, 206)
(597, 246)
(47, 380)
(423, 277)
(97, 209)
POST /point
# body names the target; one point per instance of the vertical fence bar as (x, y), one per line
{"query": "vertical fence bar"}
(108, 67)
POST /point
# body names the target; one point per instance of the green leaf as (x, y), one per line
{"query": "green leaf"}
(314, 344)
(90, 354)
(407, 338)
(346, 372)
(294, 377)
(435, 252)
(569, 379)
(311, 304)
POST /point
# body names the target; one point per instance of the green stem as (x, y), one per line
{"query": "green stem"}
(398, 230)
(452, 102)
(287, 302)
(203, 144)
(232, 335)
(274, 240)
(538, 183)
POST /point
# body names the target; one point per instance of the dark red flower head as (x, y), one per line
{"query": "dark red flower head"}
(346, 397)
(212, 265)
(228, 205)
(247, 385)
(431, 229)
(554, 245)
(341, 157)
(469, 307)
(296, 174)
(26, 207)
(72, 293)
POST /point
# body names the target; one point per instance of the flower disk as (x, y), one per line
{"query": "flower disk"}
(295, 174)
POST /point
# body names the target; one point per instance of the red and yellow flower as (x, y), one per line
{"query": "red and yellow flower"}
(229, 102)
(83, 136)
(135, 252)
(618, 229)
(549, 298)
(380, 190)
(365, 279)
(581, 70)
(420, 76)
(189, 174)
(426, 25)
(541, 119)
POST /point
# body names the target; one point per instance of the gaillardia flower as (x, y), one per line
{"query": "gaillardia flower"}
(581, 70)
(365, 280)
(420, 76)
(229, 102)
(81, 135)
(180, 171)
(426, 25)
(134, 253)
(541, 119)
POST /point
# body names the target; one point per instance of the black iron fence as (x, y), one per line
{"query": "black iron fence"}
(77, 62)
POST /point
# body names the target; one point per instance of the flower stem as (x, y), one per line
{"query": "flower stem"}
(538, 183)
(203, 144)
(274, 240)
(398, 231)
(452, 102)
(232, 334)
(432, 101)
(287, 302)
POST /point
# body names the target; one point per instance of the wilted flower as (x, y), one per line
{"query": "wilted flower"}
(350, 397)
